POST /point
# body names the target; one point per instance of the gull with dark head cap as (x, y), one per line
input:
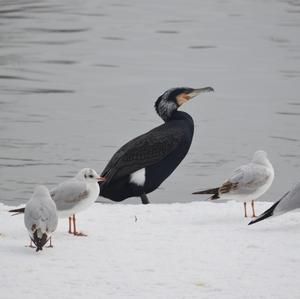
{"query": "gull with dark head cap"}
(74, 195)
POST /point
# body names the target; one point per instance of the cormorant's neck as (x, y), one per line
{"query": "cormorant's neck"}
(167, 110)
(177, 115)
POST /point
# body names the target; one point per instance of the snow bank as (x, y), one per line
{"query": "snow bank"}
(194, 250)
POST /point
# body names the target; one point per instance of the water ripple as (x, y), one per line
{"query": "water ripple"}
(17, 159)
(37, 91)
(167, 31)
(289, 156)
(17, 143)
(55, 42)
(49, 30)
(292, 11)
(92, 14)
(30, 164)
(289, 113)
(9, 77)
(177, 21)
(290, 73)
(57, 61)
(279, 40)
(106, 65)
(203, 47)
(284, 138)
(14, 17)
(113, 38)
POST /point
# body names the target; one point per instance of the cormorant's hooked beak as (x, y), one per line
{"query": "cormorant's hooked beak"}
(197, 91)
(101, 179)
(186, 96)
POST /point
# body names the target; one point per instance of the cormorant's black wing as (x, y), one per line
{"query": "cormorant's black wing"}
(144, 150)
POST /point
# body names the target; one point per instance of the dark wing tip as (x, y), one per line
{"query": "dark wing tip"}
(17, 211)
(251, 222)
(197, 192)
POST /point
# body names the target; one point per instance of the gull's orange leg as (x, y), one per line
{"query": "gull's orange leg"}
(70, 226)
(253, 210)
(76, 233)
(50, 245)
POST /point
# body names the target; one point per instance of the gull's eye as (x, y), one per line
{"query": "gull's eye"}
(91, 176)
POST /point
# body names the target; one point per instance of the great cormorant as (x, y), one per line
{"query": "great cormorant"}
(142, 164)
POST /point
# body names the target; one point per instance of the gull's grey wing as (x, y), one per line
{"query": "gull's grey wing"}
(246, 178)
(41, 215)
(290, 201)
(69, 193)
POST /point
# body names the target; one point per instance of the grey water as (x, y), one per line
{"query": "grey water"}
(78, 79)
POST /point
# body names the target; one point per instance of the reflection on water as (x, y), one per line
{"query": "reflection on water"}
(289, 113)
(167, 31)
(113, 38)
(284, 138)
(79, 78)
(202, 47)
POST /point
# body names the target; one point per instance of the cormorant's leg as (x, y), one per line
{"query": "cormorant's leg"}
(76, 233)
(70, 226)
(253, 210)
(144, 199)
(245, 209)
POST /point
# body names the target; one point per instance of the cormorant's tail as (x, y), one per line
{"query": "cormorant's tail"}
(39, 242)
(214, 191)
(268, 213)
(17, 211)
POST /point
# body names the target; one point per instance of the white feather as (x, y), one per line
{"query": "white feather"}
(138, 177)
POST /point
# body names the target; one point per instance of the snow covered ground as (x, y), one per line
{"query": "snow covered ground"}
(192, 250)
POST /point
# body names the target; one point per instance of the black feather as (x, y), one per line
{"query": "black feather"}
(268, 213)
(208, 191)
(214, 191)
(142, 151)
(17, 211)
(39, 242)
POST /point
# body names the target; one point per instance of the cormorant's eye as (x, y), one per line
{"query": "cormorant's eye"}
(91, 176)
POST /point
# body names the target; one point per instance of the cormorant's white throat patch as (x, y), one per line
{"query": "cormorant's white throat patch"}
(138, 177)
